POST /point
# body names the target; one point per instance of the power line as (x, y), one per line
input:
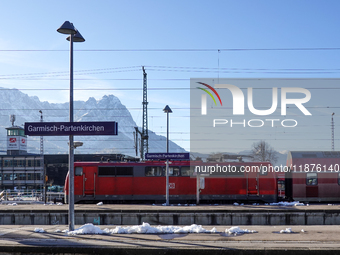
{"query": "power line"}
(152, 108)
(247, 69)
(152, 88)
(49, 77)
(75, 71)
(34, 76)
(178, 50)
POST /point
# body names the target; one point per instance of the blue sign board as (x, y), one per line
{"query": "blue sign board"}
(164, 156)
(71, 128)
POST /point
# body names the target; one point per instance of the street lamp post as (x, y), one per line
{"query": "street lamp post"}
(167, 110)
(332, 126)
(75, 36)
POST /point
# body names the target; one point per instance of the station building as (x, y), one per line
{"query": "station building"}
(20, 170)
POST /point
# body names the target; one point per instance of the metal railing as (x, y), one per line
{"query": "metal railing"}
(30, 196)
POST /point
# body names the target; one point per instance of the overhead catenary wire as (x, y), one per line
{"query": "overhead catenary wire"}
(180, 49)
(48, 75)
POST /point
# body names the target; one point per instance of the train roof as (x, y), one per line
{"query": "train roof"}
(313, 154)
(162, 162)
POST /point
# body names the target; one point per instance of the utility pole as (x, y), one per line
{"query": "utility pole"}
(144, 147)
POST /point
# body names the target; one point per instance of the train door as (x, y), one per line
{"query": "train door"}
(312, 189)
(252, 183)
(174, 181)
(90, 180)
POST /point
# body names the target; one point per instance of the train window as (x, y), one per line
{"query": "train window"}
(106, 171)
(312, 179)
(123, 170)
(263, 171)
(235, 171)
(281, 185)
(78, 171)
(174, 171)
(153, 171)
(338, 178)
(186, 171)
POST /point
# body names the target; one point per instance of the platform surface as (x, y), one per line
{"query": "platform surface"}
(310, 239)
(160, 208)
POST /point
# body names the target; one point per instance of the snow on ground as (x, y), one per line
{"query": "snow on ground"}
(39, 230)
(237, 230)
(88, 228)
(145, 228)
(287, 230)
(297, 203)
(290, 231)
(50, 204)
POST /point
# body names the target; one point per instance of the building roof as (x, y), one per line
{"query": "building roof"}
(314, 154)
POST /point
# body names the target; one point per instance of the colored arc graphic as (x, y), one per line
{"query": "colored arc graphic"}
(208, 93)
(213, 90)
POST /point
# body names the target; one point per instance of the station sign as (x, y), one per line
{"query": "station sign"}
(16, 143)
(164, 156)
(71, 128)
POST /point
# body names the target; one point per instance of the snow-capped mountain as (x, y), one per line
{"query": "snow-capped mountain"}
(109, 108)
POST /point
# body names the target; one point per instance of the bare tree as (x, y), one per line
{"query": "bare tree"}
(262, 151)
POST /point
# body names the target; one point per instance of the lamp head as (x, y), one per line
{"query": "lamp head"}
(77, 37)
(67, 28)
(77, 144)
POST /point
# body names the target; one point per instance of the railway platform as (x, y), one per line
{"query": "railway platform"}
(22, 239)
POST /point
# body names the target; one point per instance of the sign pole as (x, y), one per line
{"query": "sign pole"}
(167, 161)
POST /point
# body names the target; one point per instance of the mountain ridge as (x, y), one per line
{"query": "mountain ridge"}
(108, 108)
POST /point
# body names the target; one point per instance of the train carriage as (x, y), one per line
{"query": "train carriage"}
(314, 176)
(126, 182)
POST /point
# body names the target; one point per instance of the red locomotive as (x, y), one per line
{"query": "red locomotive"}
(309, 176)
(313, 176)
(118, 182)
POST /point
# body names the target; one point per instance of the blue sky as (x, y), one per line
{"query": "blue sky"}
(139, 25)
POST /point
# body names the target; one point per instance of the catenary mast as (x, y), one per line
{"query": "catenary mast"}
(144, 147)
